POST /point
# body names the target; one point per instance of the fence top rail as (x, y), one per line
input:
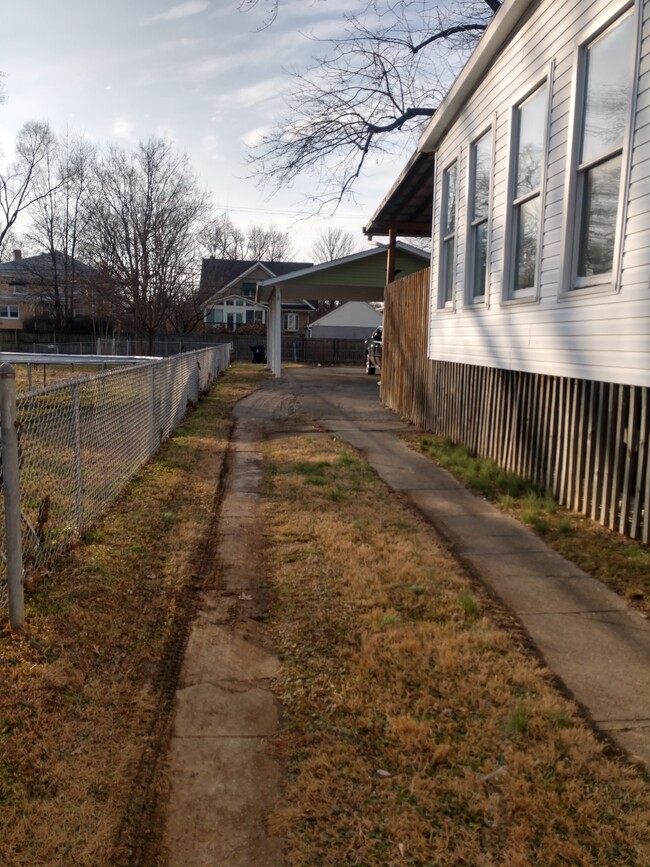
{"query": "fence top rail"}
(144, 362)
(60, 358)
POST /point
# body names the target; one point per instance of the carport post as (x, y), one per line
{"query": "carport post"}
(275, 332)
(269, 333)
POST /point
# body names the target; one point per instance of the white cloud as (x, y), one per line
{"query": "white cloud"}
(252, 95)
(123, 128)
(210, 148)
(254, 136)
(183, 10)
(210, 66)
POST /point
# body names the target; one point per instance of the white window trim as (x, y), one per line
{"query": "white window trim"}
(9, 308)
(478, 302)
(286, 319)
(571, 286)
(532, 295)
(442, 304)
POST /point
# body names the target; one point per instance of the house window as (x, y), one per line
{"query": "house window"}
(289, 321)
(479, 211)
(9, 311)
(214, 316)
(529, 135)
(249, 289)
(18, 288)
(448, 242)
(602, 118)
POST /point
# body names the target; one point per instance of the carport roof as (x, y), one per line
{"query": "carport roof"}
(359, 277)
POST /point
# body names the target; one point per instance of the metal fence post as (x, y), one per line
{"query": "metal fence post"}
(11, 493)
(78, 471)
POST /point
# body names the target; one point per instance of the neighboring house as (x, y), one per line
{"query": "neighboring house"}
(27, 290)
(538, 160)
(353, 320)
(229, 287)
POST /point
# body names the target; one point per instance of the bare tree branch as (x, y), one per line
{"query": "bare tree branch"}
(368, 92)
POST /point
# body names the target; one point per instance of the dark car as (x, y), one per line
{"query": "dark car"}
(372, 353)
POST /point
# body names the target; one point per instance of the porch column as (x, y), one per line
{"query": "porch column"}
(274, 333)
(390, 260)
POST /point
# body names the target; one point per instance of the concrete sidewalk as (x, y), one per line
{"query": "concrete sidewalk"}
(591, 640)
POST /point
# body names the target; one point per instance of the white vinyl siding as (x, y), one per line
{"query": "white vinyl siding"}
(567, 332)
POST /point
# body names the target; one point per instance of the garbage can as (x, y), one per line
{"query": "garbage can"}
(259, 354)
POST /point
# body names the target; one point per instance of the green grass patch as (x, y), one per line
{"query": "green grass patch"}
(621, 563)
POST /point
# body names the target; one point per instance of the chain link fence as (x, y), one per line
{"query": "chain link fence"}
(80, 442)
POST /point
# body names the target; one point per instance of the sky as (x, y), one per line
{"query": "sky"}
(201, 73)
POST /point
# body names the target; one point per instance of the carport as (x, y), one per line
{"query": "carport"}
(359, 277)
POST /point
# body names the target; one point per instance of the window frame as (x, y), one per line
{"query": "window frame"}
(573, 286)
(443, 302)
(249, 289)
(527, 295)
(285, 321)
(8, 315)
(478, 301)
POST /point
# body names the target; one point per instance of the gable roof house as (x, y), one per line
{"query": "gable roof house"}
(537, 308)
(352, 320)
(43, 291)
(229, 288)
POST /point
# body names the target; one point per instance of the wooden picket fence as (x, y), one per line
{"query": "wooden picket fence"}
(586, 442)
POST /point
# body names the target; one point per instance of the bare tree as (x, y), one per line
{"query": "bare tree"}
(18, 190)
(59, 222)
(268, 243)
(10, 242)
(221, 239)
(333, 243)
(369, 92)
(147, 214)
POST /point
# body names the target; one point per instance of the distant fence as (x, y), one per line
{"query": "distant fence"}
(305, 350)
(80, 442)
(586, 442)
(308, 350)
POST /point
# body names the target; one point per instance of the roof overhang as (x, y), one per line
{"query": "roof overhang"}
(408, 207)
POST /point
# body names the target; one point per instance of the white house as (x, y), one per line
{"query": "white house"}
(353, 320)
(538, 167)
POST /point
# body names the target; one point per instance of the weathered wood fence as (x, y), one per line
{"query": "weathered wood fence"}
(587, 442)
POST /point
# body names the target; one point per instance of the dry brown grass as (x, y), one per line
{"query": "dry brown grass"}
(416, 729)
(53, 374)
(81, 686)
